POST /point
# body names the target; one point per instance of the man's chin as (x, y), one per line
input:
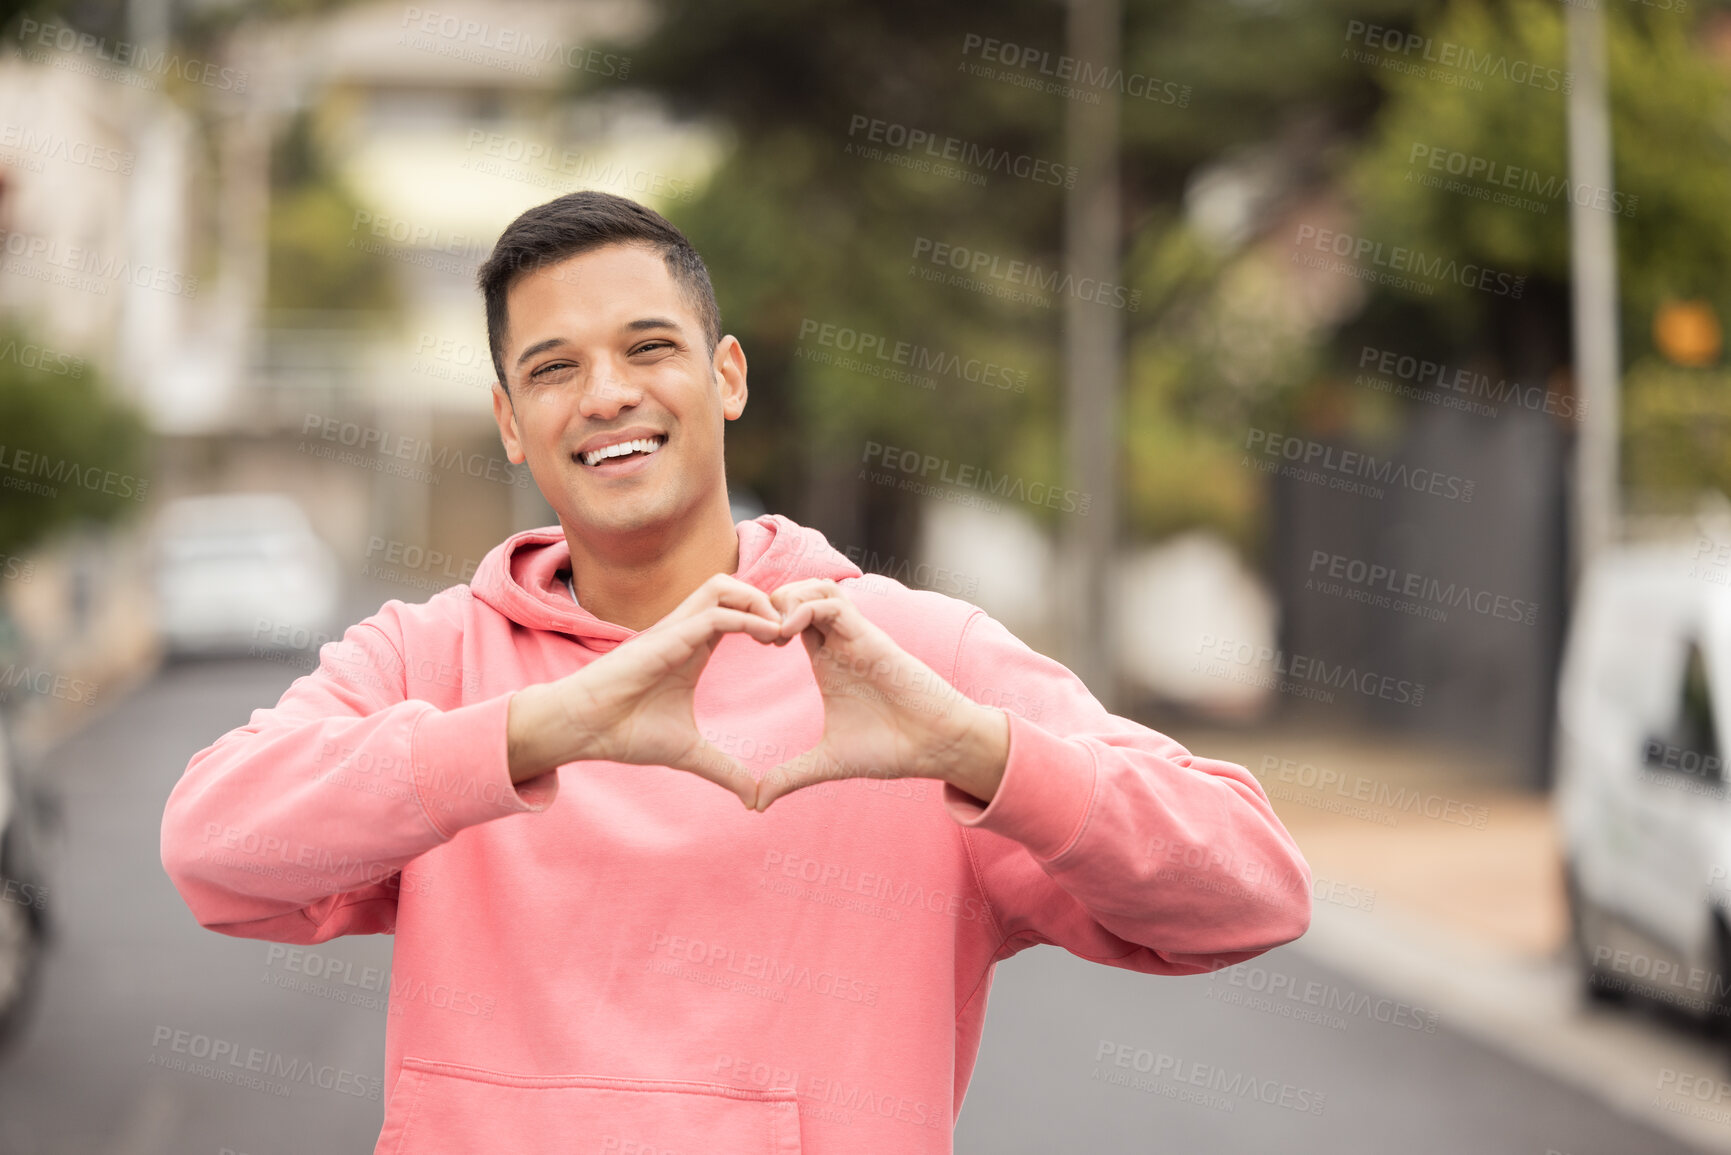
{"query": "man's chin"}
(620, 515)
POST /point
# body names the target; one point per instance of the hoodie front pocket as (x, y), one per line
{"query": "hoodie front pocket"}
(446, 1109)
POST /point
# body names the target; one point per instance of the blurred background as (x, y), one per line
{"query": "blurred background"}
(1337, 386)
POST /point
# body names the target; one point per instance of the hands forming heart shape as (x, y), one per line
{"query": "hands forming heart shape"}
(886, 713)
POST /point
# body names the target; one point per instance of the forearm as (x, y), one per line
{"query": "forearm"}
(978, 759)
(544, 730)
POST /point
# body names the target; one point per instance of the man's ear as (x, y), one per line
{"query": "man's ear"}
(506, 415)
(729, 366)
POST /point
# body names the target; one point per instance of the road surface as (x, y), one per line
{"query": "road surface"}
(1280, 1055)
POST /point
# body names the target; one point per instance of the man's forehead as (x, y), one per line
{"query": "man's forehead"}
(611, 283)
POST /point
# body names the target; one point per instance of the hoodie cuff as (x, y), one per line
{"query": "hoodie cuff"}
(1045, 795)
(462, 771)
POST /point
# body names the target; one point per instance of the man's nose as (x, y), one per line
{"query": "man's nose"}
(608, 392)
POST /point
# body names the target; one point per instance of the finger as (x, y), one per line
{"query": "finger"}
(725, 590)
(787, 597)
(711, 624)
(807, 769)
(705, 761)
(826, 615)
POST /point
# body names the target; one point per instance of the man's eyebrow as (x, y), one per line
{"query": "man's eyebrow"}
(637, 326)
(538, 347)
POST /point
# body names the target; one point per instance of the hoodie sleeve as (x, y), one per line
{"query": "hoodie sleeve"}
(1110, 839)
(295, 827)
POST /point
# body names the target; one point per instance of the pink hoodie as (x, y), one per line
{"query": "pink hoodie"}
(620, 958)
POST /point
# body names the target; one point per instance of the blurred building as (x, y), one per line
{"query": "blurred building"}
(438, 128)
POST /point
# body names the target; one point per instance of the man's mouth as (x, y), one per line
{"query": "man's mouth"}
(641, 446)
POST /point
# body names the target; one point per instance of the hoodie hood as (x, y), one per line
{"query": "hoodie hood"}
(519, 576)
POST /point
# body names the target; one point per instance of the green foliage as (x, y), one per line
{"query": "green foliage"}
(315, 260)
(1671, 149)
(1676, 428)
(64, 432)
(312, 263)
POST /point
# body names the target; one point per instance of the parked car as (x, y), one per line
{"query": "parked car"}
(1642, 795)
(243, 571)
(23, 899)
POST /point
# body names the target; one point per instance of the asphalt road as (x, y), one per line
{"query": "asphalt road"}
(1077, 1056)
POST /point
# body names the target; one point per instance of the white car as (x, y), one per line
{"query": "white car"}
(241, 571)
(1642, 796)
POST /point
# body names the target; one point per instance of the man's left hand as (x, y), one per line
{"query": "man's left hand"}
(886, 714)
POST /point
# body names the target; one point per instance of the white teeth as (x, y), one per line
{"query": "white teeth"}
(641, 445)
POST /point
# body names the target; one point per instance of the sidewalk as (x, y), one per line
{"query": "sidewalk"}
(1436, 886)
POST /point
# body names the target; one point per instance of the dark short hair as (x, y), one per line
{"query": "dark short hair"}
(577, 223)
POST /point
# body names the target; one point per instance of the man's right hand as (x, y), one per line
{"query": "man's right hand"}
(635, 703)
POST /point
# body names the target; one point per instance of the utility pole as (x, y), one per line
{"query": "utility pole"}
(1093, 357)
(1593, 285)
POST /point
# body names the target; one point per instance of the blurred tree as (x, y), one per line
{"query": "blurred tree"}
(312, 214)
(1671, 129)
(804, 224)
(65, 432)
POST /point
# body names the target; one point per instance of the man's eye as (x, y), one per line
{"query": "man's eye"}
(648, 345)
(550, 367)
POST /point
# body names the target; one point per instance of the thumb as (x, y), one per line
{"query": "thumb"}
(705, 761)
(814, 766)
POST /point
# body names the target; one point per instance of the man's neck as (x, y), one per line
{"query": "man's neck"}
(635, 582)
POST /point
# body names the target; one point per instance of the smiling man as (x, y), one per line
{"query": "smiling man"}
(554, 785)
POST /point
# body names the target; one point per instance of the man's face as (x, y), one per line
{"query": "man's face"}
(603, 348)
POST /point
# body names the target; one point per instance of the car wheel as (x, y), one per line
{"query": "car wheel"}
(1586, 923)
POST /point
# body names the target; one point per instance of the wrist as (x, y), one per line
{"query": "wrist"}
(540, 732)
(981, 754)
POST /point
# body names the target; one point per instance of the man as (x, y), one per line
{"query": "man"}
(660, 881)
